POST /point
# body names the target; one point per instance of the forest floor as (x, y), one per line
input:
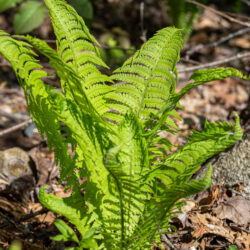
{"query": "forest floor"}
(217, 218)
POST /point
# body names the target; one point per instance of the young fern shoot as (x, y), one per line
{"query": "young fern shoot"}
(113, 123)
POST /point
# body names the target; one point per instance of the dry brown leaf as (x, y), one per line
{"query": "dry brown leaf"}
(211, 20)
(211, 198)
(203, 244)
(16, 209)
(242, 42)
(47, 218)
(190, 205)
(244, 239)
(236, 209)
(206, 223)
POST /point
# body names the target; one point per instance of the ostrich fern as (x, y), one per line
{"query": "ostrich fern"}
(112, 123)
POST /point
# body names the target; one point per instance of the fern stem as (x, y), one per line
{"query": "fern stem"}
(161, 220)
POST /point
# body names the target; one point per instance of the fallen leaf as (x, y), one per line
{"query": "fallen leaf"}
(206, 223)
(16, 209)
(243, 238)
(190, 205)
(236, 209)
(242, 42)
(211, 20)
(211, 198)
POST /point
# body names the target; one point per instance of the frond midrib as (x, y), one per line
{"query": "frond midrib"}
(149, 78)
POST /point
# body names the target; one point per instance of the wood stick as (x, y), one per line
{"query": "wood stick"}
(215, 63)
(15, 127)
(218, 13)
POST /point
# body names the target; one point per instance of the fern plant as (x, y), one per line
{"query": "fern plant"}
(113, 125)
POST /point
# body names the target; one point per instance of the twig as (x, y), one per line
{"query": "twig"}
(167, 241)
(15, 127)
(246, 2)
(219, 13)
(143, 32)
(32, 215)
(23, 218)
(11, 91)
(208, 65)
(188, 60)
(216, 43)
(237, 15)
(13, 222)
(14, 117)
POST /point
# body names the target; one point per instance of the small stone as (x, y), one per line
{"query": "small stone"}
(14, 163)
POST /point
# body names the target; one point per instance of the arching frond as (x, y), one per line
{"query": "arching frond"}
(179, 166)
(78, 49)
(145, 81)
(29, 74)
(158, 209)
(70, 207)
(74, 82)
(132, 183)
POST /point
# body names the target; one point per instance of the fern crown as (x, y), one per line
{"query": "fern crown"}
(113, 125)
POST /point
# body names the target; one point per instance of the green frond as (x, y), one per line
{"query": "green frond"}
(125, 164)
(78, 49)
(179, 166)
(91, 98)
(29, 74)
(145, 81)
(71, 207)
(203, 76)
(199, 77)
(132, 183)
(209, 75)
(158, 209)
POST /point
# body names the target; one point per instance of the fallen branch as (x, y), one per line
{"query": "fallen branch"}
(168, 242)
(218, 13)
(246, 2)
(215, 63)
(26, 217)
(216, 43)
(15, 127)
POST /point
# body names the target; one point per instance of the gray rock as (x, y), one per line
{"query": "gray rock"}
(231, 166)
(14, 163)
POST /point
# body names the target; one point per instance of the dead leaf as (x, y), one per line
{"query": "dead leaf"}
(190, 205)
(16, 209)
(211, 198)
(47, 218)
(211, 20)
(206, 223)
(236, 209)
(242, 42)
(243, 238)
